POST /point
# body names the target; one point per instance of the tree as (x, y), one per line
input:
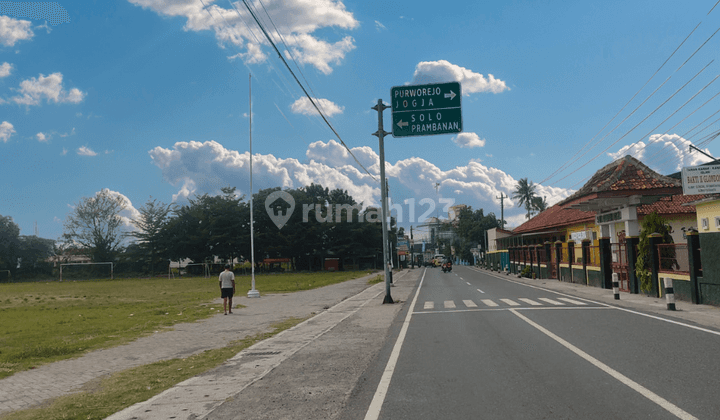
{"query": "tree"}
(34, 253)
(539, 204)
(9, 243)
(95, 224)
(153, 217)
(524, 194)
(652, 223)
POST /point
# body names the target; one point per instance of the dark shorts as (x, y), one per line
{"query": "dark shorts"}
(226, 292)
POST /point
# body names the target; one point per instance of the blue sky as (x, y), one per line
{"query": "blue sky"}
(149, 98)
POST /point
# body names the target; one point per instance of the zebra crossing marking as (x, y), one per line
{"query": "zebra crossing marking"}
(574, 302)
(429, 305)
(469, 303)
(552, 302)
(489, 302)
(509, 302)
(530, 301)
(449, 304)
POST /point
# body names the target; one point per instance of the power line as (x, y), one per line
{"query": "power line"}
(305, 91)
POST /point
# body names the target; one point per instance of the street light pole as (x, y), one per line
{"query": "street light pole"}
(252, 293)
(381, 133)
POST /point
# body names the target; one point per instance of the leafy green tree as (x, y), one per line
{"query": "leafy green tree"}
(652, 223)
(154, 215)
(9, 243)
(539, 204)
(95, 224)
(524, 194)
(34, 253)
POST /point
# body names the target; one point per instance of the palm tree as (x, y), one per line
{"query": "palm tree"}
(539, 204)
(524, 194)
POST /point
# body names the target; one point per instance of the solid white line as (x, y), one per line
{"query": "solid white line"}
(667, 405)
(379, 398)
(610, 306)
(480, 291)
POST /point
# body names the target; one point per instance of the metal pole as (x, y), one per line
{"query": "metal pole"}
(380, 107)
(252, 293)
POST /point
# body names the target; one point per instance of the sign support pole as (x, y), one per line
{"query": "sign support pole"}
(381, 133)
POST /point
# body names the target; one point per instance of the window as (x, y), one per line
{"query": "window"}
(705, 223)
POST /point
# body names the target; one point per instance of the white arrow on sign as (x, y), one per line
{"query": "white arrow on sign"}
(402, 124)
(450, 95)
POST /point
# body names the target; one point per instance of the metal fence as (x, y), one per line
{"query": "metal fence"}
(674, 258)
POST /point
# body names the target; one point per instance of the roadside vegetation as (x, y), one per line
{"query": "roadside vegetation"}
(46, 322)
(120, 390)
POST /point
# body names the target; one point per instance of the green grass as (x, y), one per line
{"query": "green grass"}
(123, 389)
(45, 322)
(378, 279)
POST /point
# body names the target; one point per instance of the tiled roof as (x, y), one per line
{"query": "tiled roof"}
(625, 175)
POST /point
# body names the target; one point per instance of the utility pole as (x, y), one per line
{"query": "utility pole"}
(381, 133)
(502, 210)
(412, 248)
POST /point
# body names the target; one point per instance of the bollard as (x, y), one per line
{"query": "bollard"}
(669, 294)
(616, 286)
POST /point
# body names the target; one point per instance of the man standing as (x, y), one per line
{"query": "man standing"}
(227, 287)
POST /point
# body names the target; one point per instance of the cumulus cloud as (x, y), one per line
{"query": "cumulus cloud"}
(296, 20)
(305, 107)
(206, 167)
(14, 30)
(127, 215)
(6, 130)
(5, 69)
(42, 137)
(663, 153)
(444, 71)
(86, 151)
(468, 140)
(33, 91)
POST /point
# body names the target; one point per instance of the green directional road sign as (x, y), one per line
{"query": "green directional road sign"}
(426, 110)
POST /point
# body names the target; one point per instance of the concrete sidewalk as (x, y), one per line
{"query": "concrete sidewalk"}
(702, 315)
(30, 388)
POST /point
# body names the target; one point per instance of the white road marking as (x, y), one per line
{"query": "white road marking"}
(550, 301)
(573, 301)
(530, 301)
(429, 305)
(509, 302)
(480, 291)
(489, 302)
(667, 405)
(469, 303)
(449, 304)
(468, 283)
(376, 404)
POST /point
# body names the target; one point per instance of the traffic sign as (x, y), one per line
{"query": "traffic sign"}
(426, 110)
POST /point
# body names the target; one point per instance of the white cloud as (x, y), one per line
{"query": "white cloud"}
(5, 69)
(663, 153)
(295, 20)
(379, 26)
(444, 71)
(127, 215)
(468, 140)
(42, 137)
(14, 30)
(305, 107)
(64, 152)
(32, 91)
(198, 168)
(86, 151)
(6, 130)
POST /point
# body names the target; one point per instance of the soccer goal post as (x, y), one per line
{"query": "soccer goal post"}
(205, 266)
(86, 264)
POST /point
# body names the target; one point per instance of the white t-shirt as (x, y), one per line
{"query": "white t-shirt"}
(226, 279)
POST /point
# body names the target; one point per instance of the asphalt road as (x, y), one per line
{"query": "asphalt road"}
(472, 345)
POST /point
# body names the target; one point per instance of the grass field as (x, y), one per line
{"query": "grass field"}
(45, 322)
